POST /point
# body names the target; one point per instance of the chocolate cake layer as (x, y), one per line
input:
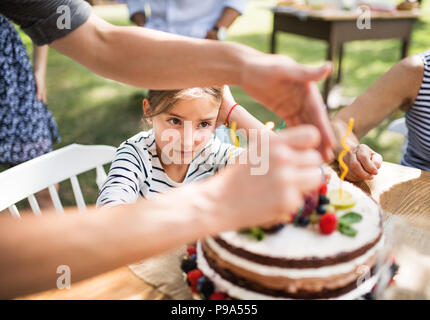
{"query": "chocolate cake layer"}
(310, 262)
(251, 285)
(310, 283)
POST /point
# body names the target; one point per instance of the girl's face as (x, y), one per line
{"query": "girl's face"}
(184, 130)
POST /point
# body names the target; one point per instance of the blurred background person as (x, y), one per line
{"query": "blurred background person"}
(27, 127)
(208, 19)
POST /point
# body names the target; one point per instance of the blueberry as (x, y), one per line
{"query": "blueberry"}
(205, 287)
(193, 257)
(303, 221)
(323, 199)
(188, 264)
(321, 209)
(394, 268)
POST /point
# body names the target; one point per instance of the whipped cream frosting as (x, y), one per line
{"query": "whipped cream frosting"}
(292, 273)
(235, 291)
(302, 243)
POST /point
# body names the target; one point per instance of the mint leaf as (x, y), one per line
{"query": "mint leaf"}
(296, 220)
(258, 233)
(346, 229)
(254, 232)
(350, 217)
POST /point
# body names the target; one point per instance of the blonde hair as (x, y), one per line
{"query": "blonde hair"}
(161, 101)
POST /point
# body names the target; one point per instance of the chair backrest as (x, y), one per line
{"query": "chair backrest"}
(28, 178)
(399, 126)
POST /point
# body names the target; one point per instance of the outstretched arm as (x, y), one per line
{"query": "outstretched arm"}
(157, 60)
(396, 89)
(97, 241)
(150, 58)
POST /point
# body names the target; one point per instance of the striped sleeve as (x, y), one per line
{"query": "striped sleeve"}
(128, 171)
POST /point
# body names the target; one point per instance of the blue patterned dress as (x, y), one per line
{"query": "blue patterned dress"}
(27, 127)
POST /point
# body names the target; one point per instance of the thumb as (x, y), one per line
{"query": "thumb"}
(377, 160)
(306, 73)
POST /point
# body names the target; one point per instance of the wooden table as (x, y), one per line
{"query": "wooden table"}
(337, 27)
(400, 190)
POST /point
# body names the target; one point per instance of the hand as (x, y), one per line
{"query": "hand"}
(212, 35)
(40, 86)
(228, 101)
(363, 163)
(242, 200)
(288, 89)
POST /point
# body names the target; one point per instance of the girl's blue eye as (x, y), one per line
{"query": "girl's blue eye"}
(174, 121)
(205, 124)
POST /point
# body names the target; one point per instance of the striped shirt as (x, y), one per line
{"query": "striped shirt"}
(136, 169)
(417, 153)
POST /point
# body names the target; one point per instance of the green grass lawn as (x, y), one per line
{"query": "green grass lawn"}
(92, 110)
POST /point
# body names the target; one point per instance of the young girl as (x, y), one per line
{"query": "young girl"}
(181, 146)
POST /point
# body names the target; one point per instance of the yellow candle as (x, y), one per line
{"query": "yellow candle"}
(342, 154)
(233, 138)
(233, 134)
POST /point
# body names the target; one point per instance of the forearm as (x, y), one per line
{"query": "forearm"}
(98, 241)
(40, 59)
(396, 89)
(227, 18)
(143, 57)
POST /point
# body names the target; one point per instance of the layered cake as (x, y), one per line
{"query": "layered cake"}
(328, 250)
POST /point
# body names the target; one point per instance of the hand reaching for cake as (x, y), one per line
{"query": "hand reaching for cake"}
(293, 170)
(289, 89)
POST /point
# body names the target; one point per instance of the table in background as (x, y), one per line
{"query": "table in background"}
(399, 189)
(337, 27)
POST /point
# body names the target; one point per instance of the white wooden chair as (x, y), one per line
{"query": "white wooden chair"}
(28, 178)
